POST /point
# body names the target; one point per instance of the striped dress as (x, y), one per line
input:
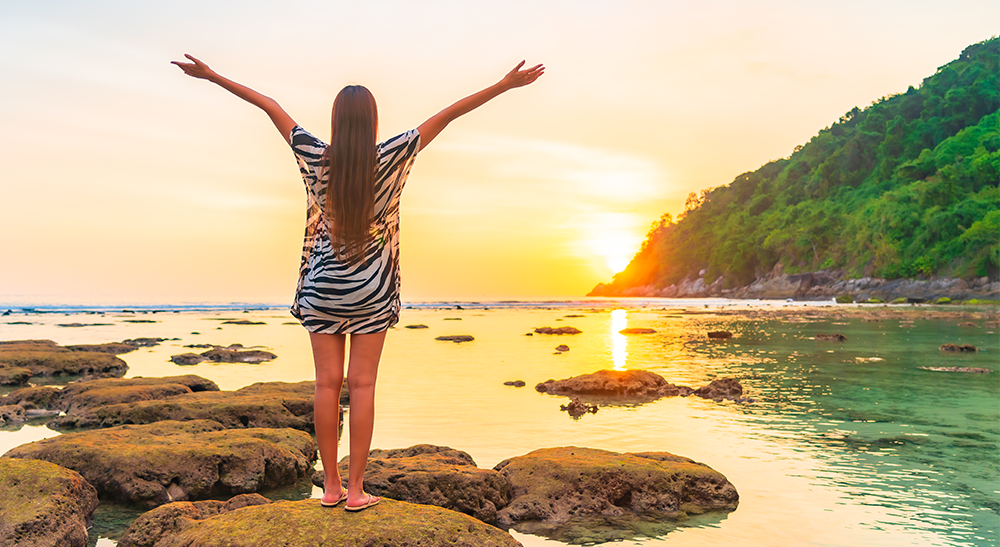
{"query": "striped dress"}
(363, 298)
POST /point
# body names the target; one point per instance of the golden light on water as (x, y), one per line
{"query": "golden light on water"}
(619, 344)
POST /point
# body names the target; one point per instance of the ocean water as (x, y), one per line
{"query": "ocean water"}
(846, 443)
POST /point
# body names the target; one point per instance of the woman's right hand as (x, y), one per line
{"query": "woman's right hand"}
(196, 68)
(519, 78)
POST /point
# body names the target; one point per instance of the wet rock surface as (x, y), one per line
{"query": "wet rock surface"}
(632, 386)
(515, 383)
(114, 348)
(234, 353)
(720, 335)
(553, 487)
(958, 348)
(170, 519)
(11, 414)
(265, 404)
(557, 330)
(577, 408)
(43, 504)
(306, 524)
(835, 337)
(456, 338)
(81, 396)
(433, 475)
(152, 464)
(46, 358)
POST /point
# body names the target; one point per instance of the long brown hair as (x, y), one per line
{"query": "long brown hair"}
(350, 172)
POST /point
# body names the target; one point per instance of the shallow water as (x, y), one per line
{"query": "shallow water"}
(847, 443)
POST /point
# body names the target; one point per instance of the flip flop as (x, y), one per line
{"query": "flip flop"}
(372, 500)
(343, 496)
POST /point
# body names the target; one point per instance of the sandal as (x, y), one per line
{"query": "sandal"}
(343, 496)
(372, 500)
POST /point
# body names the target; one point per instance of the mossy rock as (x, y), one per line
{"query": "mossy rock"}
(269, 404)
(307, 524)
(943, 300)
(11, 414)
(43, 504)
(433, 475)
(114, 348)
(108, 391)
(900, 300)
(32, 397)
(845, 299)
(628, 386)
(14, 376)
(46, 358)
(169, 519)
(874, 301)
(168, 461)
(553, 487)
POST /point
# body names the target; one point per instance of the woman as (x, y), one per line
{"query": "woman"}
(349, 273)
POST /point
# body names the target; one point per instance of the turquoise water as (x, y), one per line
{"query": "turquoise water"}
(847, 443)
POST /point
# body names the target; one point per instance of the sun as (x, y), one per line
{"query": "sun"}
(613, 240)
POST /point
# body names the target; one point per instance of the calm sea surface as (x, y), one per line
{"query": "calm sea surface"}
(848, 443)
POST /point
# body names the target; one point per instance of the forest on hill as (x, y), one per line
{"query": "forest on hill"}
(907, 187)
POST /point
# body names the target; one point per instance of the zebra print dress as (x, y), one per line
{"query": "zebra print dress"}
(363, 298)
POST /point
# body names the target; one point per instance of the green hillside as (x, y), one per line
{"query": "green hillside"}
(904, 188)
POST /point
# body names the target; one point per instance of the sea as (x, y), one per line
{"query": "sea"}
(845, 443)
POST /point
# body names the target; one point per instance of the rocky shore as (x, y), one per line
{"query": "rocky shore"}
(818, 285)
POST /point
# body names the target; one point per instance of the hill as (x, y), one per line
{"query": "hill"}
(905, 188)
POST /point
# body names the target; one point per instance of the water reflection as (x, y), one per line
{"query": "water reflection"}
(619, 343)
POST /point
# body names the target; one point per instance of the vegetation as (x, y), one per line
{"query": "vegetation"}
(907, 187)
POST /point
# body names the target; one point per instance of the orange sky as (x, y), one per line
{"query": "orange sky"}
(123, 180)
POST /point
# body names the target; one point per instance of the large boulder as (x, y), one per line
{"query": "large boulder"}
(170, 461)
(433, 475)
(40, 397)
(80, 396)
(553, 487)
(633, 385)
(14, 376)
(43, 504)
(266, 404)
(306, 524)
(167, 520)
(46, 358)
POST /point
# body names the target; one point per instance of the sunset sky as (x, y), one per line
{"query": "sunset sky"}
(124, 180)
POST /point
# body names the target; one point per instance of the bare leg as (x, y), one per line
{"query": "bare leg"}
(366, 350)
(328, 355)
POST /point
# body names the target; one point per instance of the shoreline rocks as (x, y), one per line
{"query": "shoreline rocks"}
(234, 353)
(152, 464)
(554, 486)
(457, 338)
(46, 358)
(557, 330)
(43, 504)
(172, 518)
(958, 348)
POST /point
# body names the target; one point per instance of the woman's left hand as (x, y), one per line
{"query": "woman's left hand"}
(519, 78)
(195, 69)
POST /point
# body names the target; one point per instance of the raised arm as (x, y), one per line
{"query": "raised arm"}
(515, 78)
(279, 117)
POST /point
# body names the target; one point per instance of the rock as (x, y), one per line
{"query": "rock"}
(81, 396)
(46, 358)
(11, 414)
(266, 404)
(557, 330)
(722, 388)
(632, 385)
(515, 383)
(636, 330)
(943, 300)
(964, 348)
(114, 348)
(433, 475)
(974, 370)
(720, 334)
(139, 321)
(186, 359)
(78, 325)
(14, 376)
(144, 342)
(32, 397)
(153, 464)
(577, 408)
(452, 319)
(562, 347)
(42, 504)
(991, 324)
(218, 354)
(844, 299)
(551, 487)
(169, 519)
(306, 524)
(968, 324)
(836, 337)
(243, 322)
(456, 338)
(417, 327)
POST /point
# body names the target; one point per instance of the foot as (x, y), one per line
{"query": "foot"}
(363, 502)
(333, 500)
